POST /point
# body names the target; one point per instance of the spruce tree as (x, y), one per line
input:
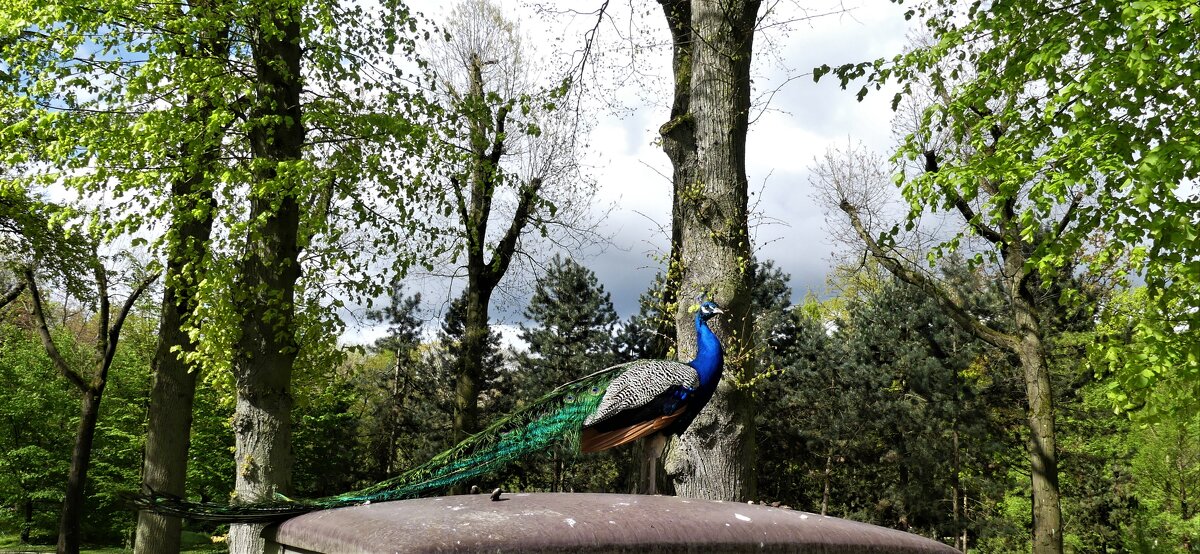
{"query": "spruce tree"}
(574, 329)
(399, 389)
(573, 334)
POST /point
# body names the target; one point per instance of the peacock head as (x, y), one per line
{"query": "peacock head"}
(705, 310)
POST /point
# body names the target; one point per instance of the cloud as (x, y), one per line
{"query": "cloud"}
(804, 119)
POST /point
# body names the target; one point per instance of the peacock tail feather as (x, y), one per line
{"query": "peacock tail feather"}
(555, 418)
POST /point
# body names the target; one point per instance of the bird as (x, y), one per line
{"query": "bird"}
(643, 398)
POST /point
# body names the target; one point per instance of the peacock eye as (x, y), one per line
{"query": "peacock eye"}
(595, 390)
(570, 398)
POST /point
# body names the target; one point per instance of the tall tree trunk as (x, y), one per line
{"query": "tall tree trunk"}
(26, 519)
(1027, 345)
(170, 419)
(266, 350)
(173, 389)
(481, 178)
(714, 458)
(826, 479)
(487, 147)
(469, 380)
(1043, 459)
(81, 459)
(678, 136)
(1021, 284)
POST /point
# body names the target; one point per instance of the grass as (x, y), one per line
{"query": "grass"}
(193, 543)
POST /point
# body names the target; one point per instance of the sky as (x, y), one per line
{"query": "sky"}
(800, 122)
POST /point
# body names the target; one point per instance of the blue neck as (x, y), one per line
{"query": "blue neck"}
(709, 357)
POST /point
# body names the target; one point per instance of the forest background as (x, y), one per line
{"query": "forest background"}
(875, 402)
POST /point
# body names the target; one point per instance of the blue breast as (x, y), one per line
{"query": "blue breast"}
(709, 356)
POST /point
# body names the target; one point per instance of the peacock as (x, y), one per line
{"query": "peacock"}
(606, 409)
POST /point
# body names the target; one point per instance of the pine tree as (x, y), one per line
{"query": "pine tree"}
(573, 335)
(402, 341)
(574, 327)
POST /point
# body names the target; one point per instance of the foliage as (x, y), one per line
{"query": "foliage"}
(888, 413)
(574, 323)
(40, 413)
(34, 450)
(1096, 101)
(167, 102)
(326, 433)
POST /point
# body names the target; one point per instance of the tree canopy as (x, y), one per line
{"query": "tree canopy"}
(1097, 103)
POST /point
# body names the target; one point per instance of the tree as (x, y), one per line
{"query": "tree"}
(1099, 105)
(191, 214)
(291, 173)
(575, 322)
(1167, 479)
(39, 410)
(1010, 235)
(501, 146)
(646, 334)
(264, 353)
(36, 454)
(712, 48)
(402, 341)
(451, 353)
(90, 383)
(573, 336)
(37, 235)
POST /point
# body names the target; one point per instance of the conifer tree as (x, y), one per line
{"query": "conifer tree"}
(573, 335)
(575, 323)
(402, 341)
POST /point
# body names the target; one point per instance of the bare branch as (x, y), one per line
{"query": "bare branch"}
(114, 333)
(43, 329)
(955, 305)
(12, 293)
(508, 244)
(1068, 216)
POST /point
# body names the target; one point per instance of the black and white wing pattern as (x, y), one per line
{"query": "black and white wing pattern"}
(640, 384)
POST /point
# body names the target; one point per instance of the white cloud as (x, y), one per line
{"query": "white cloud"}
(805, 119)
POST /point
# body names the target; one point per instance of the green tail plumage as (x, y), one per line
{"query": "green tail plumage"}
(554, 418)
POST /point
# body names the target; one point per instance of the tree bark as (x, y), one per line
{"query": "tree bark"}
(265, 352)
(469, 380)
(714, 458)
(1043, 458)
(12, 293)
(1027, 345)
(26, 519)
(172, 393)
